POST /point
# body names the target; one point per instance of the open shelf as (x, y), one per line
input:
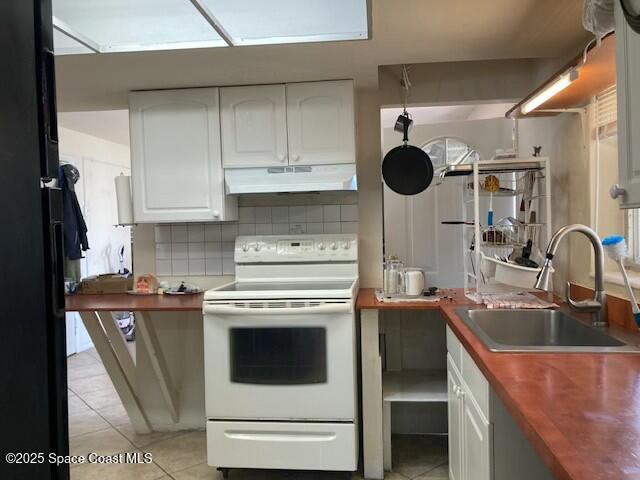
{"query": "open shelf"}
(495, 166)
(415, 386)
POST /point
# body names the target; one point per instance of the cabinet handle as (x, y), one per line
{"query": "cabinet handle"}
(617, 191)
(282, 157)
(296, 158)
(216, 213)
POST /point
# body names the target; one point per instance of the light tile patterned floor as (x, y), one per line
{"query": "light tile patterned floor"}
(99, 423)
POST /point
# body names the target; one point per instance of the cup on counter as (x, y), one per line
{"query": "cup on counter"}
(413, 281)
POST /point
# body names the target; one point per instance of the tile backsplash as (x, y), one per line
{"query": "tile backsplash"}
(199, 249)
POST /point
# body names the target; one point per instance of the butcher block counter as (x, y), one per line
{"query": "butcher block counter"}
(580, 412)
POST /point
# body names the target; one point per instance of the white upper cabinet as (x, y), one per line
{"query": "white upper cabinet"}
(254, 126)
(320, 123)
(628, 79)
(175, 157)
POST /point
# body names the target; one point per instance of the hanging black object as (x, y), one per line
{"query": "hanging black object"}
(407, 169)
(633, 18)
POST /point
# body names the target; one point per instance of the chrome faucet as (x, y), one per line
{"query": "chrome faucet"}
(597, 306)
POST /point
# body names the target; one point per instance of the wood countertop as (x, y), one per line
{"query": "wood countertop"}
(113, 302)
(580, 412)
(452, 296)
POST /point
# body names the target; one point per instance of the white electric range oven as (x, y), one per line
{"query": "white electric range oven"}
(280, 360)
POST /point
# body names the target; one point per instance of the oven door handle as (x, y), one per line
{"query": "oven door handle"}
(226, 309)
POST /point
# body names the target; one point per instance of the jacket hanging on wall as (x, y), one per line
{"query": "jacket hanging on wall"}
(75, 229)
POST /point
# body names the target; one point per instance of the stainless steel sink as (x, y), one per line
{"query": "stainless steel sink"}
(542, 331)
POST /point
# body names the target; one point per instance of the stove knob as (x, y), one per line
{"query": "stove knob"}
(245, 247)
(321, 246)
(346, 245)
(334, 246)
(258, 247)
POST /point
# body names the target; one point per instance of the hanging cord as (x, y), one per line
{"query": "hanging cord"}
(406, 85)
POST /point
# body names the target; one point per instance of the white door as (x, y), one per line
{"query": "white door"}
(175, 156)
(320, 123)
(254, 126)
(476, 442)
(413, 231)
(454, 407)
(268, 361)
(70, 326)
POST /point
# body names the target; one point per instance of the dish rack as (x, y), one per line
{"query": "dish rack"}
(488, 269)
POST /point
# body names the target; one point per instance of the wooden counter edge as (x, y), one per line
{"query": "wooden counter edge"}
(113, 302)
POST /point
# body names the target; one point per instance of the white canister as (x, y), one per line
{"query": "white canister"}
(414, 282)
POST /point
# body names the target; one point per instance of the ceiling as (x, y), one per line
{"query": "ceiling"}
(402, 31)
(442, 114)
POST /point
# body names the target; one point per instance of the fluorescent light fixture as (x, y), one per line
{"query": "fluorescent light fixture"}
(551, 90)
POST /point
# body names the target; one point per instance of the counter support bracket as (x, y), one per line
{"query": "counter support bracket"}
(148, 333)
(104, 340)
(118, 344)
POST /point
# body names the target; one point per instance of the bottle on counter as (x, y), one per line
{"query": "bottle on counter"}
(392, 281)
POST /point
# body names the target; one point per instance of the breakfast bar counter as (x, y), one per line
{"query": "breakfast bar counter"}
(96, 313)
(580, 412)
(114, 302)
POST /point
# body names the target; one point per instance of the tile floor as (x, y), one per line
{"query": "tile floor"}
(98, 423)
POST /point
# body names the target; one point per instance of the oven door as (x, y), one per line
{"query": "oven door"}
(280, 360)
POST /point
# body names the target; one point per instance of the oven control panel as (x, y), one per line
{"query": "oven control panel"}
(297, 248)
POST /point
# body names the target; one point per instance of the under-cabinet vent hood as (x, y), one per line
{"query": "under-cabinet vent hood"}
(312, 178)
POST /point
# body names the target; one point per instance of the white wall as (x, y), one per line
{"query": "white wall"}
(563, 140)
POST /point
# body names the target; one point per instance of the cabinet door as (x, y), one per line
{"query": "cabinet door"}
(476, 443)
(175, 156)
(628, 79)
(320, 121)
(254, 126)
(455, 421)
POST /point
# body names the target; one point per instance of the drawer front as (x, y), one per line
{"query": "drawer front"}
(476, 383)
(296, 446)
(454, 347)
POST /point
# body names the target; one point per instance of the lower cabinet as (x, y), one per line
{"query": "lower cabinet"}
(476, 441)
(454, 389)
(469, 431)
(485, 443)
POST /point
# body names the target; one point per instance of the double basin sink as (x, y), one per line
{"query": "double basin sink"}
(543, 331)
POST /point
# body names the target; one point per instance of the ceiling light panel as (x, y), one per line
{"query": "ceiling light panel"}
(126, 25)
(259, 22)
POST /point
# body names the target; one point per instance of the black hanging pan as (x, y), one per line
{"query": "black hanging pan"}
(407, 169)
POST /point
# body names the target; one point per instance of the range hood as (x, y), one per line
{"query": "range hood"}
(312, 178)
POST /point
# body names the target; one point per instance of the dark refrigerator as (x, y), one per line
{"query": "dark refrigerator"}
(33, 402)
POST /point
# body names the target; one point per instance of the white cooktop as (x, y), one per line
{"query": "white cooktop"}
(292, 267)
(275, 289)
